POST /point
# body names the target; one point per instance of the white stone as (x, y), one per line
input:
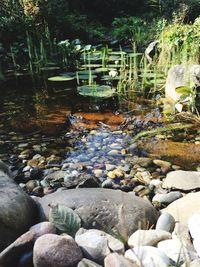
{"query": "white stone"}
(194, 225)
(147, 256)
(96, 244)
(183, 180)
(176, 250)
(147, 237)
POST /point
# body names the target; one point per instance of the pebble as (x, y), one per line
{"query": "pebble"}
(50, 249)
(165, 222)
(166, 198)
(96, 244)
(147, 237)
(98, 173)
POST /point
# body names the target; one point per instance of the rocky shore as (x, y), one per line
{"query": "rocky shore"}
(129, 209)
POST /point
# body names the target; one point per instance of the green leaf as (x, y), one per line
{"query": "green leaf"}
(103, 91)
(60, 79)
(183, 90)
(65, 219)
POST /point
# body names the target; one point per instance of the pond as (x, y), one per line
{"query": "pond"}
(41, 117)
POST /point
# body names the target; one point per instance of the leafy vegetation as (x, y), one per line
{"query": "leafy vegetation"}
(38, 36)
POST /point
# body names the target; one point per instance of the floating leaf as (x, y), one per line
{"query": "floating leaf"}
(65, 219)
(96, 91)
(86, 72)
(86, 77)
(61, 78)
(99, 70)
(109, 78)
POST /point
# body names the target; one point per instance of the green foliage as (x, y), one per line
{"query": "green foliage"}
(125, 28)
(188, 97)
(180, 42)
(136, 29)
(65, 219)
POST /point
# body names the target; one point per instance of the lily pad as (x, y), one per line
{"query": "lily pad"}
(103, 91)
(151, 75)
(68, 74)
(61, 78)
(100, 70)
(114, 66)
(114, 58)
(86, 72)
(108, 78)
(50, 68)
(86, 77)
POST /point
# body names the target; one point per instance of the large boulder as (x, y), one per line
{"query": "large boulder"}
(104, 209)
(183, 208)
(17, 210)
(180, 75)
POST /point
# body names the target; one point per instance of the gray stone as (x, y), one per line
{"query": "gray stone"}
(52, 250)
(114, 153)
(182, 180)
(167, 198)
(147, 237)
(104, 209)
(147, 256)
(180, 75)
(117, 260)
(17, 211)
(87, 263)
(107, 183)
(166, 222)
(183, 208)
(96, 244)
(56, 176)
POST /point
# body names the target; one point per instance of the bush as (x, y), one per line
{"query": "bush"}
(180, 42)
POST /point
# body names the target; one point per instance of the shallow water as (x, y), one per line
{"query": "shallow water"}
(42, 112)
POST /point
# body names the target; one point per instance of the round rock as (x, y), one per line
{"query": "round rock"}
(166, 222)
(17, 211)
(104, 209)
(52, 250)
(147, 237)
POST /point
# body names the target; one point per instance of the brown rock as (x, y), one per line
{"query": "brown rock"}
(24, 243)
(56, 251)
